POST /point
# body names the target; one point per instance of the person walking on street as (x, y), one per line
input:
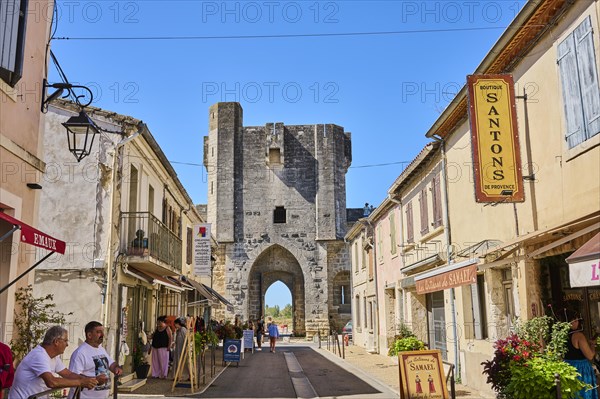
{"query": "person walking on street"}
(36, 371)
(260, 331)
(180, 334)
(273, 335)
(162, 339)
(91, 359)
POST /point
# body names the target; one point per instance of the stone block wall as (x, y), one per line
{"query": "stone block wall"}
(259, 175)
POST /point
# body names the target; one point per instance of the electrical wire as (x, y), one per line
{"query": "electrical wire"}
(400, 32)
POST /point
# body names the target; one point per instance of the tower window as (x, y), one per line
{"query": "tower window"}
(274, 156)
(279, 214)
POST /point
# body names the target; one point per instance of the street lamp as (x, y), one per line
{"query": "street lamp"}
(81, 131)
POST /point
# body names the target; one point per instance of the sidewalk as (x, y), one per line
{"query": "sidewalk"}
(383, 369)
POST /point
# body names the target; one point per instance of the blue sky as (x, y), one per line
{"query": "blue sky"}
(387, 89)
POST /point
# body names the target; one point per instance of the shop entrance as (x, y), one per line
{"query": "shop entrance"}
(557, 291)
(437, 322)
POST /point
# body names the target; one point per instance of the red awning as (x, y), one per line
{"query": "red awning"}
(35, 237)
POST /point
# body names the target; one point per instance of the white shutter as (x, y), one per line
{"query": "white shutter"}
(588, 77)
(567, 62)
(9, 29)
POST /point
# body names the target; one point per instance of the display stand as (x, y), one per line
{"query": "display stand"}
(188, 357)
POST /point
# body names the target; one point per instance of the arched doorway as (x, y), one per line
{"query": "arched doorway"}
(277, 264)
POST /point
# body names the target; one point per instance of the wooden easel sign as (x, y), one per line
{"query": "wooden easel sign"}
(422, 375)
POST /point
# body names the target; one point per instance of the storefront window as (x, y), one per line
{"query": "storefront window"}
(557, 291)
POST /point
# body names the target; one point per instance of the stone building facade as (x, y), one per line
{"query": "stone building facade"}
(277, 204)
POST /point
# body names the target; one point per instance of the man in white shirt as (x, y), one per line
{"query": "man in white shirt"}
(36, 372)
(92, 360)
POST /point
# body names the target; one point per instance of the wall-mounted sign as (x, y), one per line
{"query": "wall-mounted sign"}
(495, 139)
(202, 250)
(450, 279)
(422, 375)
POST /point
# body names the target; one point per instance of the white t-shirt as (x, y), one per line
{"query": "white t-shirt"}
(27, 377)
(91, 362)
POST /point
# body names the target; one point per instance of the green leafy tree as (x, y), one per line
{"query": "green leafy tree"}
(273, 311)
(33, 317)
(287, 311)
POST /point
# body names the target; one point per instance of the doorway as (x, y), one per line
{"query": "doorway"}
(437, 322)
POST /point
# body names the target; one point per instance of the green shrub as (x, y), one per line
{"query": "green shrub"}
(535, 378)
(33, 317)
(204, 338)
(406, 344)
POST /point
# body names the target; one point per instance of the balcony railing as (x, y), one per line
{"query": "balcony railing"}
(143, 235)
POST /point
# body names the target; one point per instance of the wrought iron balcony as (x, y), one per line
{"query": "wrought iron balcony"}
(148, 243)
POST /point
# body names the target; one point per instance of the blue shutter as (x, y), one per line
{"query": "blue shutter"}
(571, 93)
(588, 77)
(9, 29)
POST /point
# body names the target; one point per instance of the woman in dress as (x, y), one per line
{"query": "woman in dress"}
(180, 334)
(579, 354)
(162, 339)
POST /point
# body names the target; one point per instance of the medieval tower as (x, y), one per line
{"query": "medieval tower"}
(277, 204)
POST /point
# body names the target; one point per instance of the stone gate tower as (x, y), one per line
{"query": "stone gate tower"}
(277, 204)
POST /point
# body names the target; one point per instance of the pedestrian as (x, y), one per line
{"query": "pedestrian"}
(333, 330)
(260, 331)
(178, 350)
(273, 335)
(579, 354)
(91, 359)
(7, 370)
(36, 371)
(162, 339)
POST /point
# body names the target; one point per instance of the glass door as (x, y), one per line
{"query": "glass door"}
(437, 322)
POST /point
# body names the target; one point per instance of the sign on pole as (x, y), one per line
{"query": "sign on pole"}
(494, 139)
(202, 256)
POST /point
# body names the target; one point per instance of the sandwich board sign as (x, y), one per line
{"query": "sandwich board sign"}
(422, 375)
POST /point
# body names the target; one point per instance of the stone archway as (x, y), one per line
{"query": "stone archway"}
(277, 264)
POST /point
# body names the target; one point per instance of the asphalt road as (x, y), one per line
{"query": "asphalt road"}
(293, 372)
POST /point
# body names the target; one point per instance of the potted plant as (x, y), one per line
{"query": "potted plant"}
(404, 341)
(140, 365)
(528, 360)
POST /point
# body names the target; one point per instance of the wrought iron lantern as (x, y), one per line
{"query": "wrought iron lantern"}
(81, 131)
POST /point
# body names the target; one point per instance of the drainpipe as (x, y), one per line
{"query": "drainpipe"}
(446, 209)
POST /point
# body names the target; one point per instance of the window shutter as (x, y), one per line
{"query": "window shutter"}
(189, 242)
(567, 62)
(12, 39)
(424, 216)
(410, 237)
(437, 201)
(588, 77)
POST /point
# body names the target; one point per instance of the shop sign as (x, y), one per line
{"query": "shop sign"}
(202, 250)
(232, 350)
(585, 274)
(454, 278)
(422, 375)
(494, 139)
